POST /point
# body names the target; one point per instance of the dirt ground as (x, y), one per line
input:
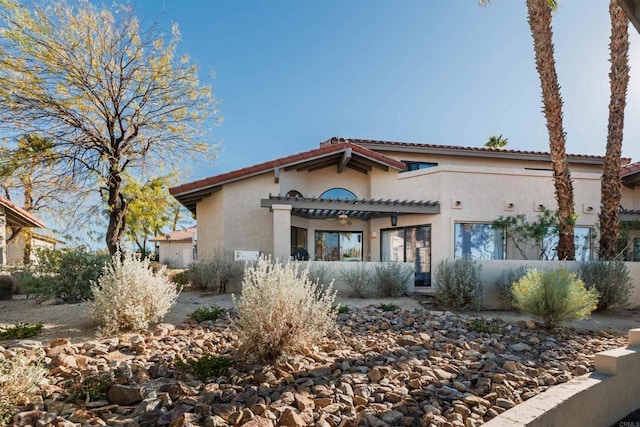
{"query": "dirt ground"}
(71, 322)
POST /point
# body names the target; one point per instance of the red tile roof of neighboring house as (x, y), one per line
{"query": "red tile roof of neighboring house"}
(185, 235)
(630, 169)
(24, 218)
(285, 161)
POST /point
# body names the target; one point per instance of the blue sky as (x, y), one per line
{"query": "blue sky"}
(293, 73)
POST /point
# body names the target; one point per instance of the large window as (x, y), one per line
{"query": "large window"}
(581, 239)
(478, 241)
(409, 244)
(338, 246)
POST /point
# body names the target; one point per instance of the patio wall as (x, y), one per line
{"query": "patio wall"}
(493, 269)
(335, 270)
(597, 399)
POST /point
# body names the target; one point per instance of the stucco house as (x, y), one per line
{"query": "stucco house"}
(13, 216)
(352, 200)
(176, 249)
(15, 249)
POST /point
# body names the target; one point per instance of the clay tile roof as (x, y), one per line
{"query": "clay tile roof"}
(630, 169)
(324, 150)
(19, 216)
(372, 142)
(185, 235)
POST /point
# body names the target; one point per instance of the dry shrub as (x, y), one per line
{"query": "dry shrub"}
(19, 379)
(612, 281)
(8, 287)
(130, 296)
(281, 310)
(458, 284)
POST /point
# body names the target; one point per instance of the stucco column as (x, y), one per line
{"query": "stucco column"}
(281, 232)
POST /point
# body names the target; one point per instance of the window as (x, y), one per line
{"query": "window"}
(636, 249)
(338, 193)
(338, 246)
(409, 244)
(581, 239)
(414, 166)
(478, 241)
(294, 193)
(298, 239)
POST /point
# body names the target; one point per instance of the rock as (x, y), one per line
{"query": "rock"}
(258, 422)
(510, 366)
(28, 418)
(505, 403)
(289, 418)
(476, 400)
(125, 394)
(304, 402)
(375, 374)
(392, 417)
(520, 347)
(581, 370)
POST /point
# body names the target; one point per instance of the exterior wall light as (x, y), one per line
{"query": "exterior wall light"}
(394, 219)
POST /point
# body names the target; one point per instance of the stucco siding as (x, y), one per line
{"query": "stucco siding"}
(317, 182)
(175, 254)
(210, 217)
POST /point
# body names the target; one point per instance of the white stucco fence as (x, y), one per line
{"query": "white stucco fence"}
(493, 269)
(335, 270)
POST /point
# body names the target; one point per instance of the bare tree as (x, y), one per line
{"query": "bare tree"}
(112, 98)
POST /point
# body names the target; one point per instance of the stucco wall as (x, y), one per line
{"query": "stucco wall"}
(211, 224)
(492, 270)
(15, 250)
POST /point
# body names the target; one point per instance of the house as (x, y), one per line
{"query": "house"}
(176, 249)
(15, 249)
(352, 200)
(13, 216)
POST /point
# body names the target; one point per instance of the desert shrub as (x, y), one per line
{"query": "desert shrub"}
(388, 307)
(612, 281)
(216, 273)
(480, 325)
(281, 310)
(554, 296)
(129, 295)
(206, 313)
(20, 331)
(504, 283)
(458, 284)
(207, 366)
(19, 379)
(65, 273)
(8, 286)
(357, 280)
(390, 278)
(341, 309)
(95, 387)
(180, 278)
(319, 273)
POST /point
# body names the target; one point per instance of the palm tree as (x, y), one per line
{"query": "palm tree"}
(611, 186)
(539, 18)
(496, 142)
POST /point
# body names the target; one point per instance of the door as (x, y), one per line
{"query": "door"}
(187, 253)
(410, 244)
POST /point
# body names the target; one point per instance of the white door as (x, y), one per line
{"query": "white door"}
(186, 257)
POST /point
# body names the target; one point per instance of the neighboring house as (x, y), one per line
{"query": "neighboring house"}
(15, 249)
(392, 201)
(13, 216)
(177, 249)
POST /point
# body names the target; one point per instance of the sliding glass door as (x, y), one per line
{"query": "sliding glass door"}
(409, 244)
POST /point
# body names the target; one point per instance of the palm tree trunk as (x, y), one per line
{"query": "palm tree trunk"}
(539, 17)
(611, 186)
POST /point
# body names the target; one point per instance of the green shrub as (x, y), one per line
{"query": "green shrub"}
(180, 278)
(357, 279)
(478, 325)
(390, 278)
(129, 295)
(612, 281)
(217, 272)
(388, 307)
(206, 366)
(504, 283)
(20, 331)
(341, 309)
(8, 287)
(19, 379)
(554, 296)
(95, 387)
(207, 313)
(64, 273)
(281, 310)
(458, 284)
